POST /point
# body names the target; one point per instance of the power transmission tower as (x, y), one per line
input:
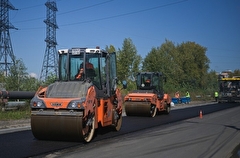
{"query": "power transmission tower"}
(7, 57)
(50, 61)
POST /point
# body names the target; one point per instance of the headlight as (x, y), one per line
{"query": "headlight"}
(37, 103)
(76, 104)
(73, 104)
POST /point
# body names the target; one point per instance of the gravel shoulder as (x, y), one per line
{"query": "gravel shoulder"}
(14, 123)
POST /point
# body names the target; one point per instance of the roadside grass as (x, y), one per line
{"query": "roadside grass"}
(21, 113)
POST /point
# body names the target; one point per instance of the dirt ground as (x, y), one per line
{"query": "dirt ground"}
(14, 123)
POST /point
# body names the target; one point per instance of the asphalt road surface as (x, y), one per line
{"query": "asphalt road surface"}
(180, 134)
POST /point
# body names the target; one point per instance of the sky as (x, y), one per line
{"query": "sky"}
(214, 24)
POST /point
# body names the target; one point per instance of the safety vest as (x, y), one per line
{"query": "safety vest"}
(187, 94)
(216, 94)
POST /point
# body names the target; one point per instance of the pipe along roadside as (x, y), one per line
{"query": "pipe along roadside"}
(13, 105)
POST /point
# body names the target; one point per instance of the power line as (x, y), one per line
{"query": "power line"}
(105, 18)
(94, 5)
(87, 7)
(34, 6)
(126, 14)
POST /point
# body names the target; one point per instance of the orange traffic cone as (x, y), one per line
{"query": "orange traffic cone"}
(200, 114)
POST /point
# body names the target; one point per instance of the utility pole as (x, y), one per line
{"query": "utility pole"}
(7, 57)
(50, 61)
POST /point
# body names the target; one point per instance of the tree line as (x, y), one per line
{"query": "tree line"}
(185, 66)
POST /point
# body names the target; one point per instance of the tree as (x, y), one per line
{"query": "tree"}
(185, 66)
(2, 81)
(128, 60)
(236, 72)
(110, 49)
(212, 84)
(164, 59)
(16, 76)
(194, 63)
(31, 83)
(19, 80)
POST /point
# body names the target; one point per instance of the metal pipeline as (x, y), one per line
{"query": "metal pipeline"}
(16, 94)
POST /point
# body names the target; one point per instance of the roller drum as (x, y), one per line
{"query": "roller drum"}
(67, 128)
(137, 108)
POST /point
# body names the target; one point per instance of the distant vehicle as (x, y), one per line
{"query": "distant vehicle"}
(229, 88)
(149, 98)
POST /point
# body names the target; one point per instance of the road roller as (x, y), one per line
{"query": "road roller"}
(149, 98)
(85, 97)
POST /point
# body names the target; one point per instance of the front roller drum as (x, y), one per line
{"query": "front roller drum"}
(139, 109)
(67, 128)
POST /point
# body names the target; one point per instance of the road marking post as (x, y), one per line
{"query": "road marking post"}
(200, 114)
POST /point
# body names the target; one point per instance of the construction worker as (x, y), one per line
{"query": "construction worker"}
(88, 66)
(79, 74)
(148, 82)
(216, 96)
(177, 96)
(188, 97)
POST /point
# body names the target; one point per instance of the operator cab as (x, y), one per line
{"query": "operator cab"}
(151, 81)
(89, 65)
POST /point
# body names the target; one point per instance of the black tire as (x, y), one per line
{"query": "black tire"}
(153, 111)
(168, 109)
(89, 130)
(117, 126)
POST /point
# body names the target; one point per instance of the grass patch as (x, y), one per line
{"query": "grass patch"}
(22, 113)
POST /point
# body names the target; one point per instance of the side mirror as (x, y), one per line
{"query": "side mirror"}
(124, 84)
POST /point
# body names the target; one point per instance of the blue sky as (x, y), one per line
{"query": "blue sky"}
(214, 24)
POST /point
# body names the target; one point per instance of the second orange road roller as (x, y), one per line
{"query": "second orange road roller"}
(85, 97)
(149, 99)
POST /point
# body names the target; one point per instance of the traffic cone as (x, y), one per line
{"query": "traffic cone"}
(200, 114)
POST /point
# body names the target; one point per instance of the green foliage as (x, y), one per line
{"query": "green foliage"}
(23, 113)
(49, 80)
(128, 60)
(195, 63)
(18, 79)
(110, 49)
(185, 65)
(235, 73)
